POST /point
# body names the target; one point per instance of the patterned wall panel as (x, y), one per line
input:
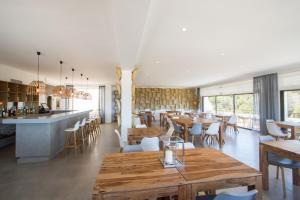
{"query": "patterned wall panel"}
(165, 98)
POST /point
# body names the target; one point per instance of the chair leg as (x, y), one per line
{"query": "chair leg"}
(283, 182)
(277, 172)
(193, 138)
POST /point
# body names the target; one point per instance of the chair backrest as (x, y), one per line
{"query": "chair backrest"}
(170, 132)
(273, 129)
(213, 128)
(187, 145)
(141, 126)
(122, 144)
(150, 144)
(232, 120)
(196, 129)
(76, 126)
(266, 138)
(251, 195)
(137, 121)
(170, 122)
(176, 127)
(83, 122)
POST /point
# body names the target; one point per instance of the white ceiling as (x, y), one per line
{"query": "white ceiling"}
(224, 40)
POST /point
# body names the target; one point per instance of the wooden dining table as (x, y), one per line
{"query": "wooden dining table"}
(289, 125)
(142, 176)
(285, 148)
(223, 117)
(135, 135)
(187, 122)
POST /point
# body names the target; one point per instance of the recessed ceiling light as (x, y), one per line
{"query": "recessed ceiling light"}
(222, 54)
(184, 29)
(157, 62)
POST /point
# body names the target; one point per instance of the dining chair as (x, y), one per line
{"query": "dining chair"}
(212, 132)
(136, 121)
(71, 137)
(187, 145)
(141, 126)
(251, 195)
(275, 130)
(150, 144)
(196, 130)
(170, 132)
(169, 123)
(279, 161)
(177, 129)
(232, 124)
(124, 147)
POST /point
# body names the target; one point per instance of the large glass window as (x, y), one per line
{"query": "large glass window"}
(225, 104)
(239, 104)
(209, 104)
(244, 110)
(292, 105)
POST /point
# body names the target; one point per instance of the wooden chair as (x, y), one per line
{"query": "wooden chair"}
(275, 130)
(196, 130)
(71, 137)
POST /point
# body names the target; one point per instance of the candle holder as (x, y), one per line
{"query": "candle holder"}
(173, 152)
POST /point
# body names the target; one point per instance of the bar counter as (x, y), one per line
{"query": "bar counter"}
(40, 137)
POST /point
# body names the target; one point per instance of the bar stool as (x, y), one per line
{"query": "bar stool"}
(83, 131)
(90, 129)
(71, 138)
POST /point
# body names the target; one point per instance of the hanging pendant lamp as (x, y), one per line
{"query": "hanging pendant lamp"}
(60, 90)
(37, 86)
(87, 95)
(80, 94)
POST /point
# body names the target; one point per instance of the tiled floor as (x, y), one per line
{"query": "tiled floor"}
(72, 176)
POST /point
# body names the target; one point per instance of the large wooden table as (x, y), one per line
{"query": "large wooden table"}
(136, 176)
(187, 123)
(286, 148)
(141, 175)
(135, 135)
(289, 125)
(208, 169)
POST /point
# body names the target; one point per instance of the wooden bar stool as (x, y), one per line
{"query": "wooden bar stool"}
(71, 137)
(83, 130)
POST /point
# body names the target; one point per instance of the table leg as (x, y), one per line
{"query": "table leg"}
(296, 177)
(221, 135)
(264, 166)
(293, 133)
(258, 187)
(186, 133)
(182, 192)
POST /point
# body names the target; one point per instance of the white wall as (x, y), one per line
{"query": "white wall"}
(286, 81)
(8, 72)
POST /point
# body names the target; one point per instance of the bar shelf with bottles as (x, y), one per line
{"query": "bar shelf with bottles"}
(17, 99)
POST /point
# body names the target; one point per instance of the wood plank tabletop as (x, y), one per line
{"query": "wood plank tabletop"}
(207, 164)
(123, 173)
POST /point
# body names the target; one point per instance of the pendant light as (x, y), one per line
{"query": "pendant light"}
(40, 86)
(80, 94)
(59, 90)
(87, 95)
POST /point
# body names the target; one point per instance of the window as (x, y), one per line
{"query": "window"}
(244, 110)
(239, 104)
(225, 104)
(292, 105)
(209, 104)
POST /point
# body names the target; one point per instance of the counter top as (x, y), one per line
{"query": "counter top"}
(42, 118)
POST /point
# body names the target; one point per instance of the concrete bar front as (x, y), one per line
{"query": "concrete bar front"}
(41, 137)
